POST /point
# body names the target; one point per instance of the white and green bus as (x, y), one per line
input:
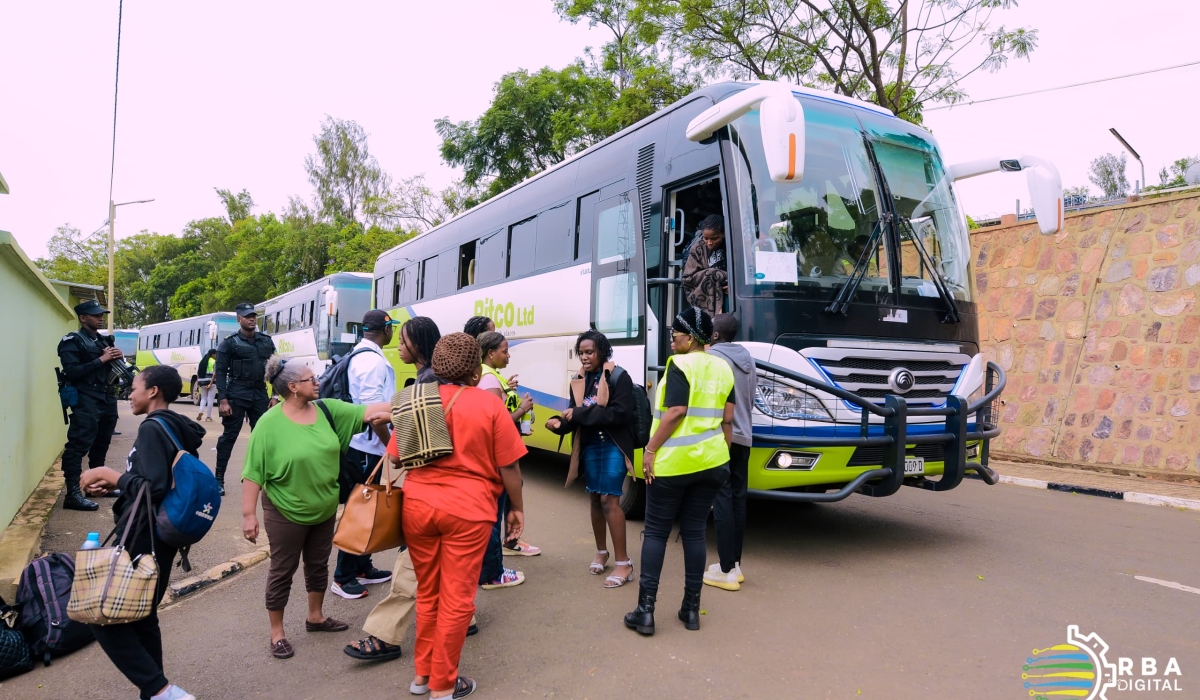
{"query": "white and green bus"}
(320, 321)
(849, 269)
(181, 344)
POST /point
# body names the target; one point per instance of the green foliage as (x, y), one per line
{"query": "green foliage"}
(1108, 173)
(900, 55)
(1176, 174)
(342, 172)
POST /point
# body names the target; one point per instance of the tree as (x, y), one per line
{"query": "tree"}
(342, 171)
(412, 203)
(237, 206)
(534, 121)
(1076, 195)
(1108, 173)
(900, 55)
(75, 258)
(1176, 174)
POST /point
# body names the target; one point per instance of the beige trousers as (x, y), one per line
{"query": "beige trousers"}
(389, 620)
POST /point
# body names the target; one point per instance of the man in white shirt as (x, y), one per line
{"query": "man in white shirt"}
(372, 379)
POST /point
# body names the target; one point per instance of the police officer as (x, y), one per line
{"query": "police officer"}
(85, 356)
(241, 382)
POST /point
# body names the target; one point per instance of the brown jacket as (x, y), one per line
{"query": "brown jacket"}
(703, 286)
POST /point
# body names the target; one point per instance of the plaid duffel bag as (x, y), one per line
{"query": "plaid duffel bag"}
(420, 422)
(110, 587)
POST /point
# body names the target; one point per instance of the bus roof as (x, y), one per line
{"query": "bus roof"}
(330, 279)
(716, 92)
(213, 316)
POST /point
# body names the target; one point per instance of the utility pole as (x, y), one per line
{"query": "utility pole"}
(112, 247)
(1137, 190)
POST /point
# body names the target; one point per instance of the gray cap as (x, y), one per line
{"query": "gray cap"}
(245, 310)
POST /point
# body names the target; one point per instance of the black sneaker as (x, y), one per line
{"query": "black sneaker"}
(375, 576)
(351, 590)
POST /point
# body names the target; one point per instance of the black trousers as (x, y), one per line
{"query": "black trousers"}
(729, 509)
(135, 648)
(351, 566)
(93, 420)
(689, 498)
(243, 409)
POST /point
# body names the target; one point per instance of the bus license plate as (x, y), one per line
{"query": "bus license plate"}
(914, 466)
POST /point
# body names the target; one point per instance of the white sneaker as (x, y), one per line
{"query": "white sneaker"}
(173, 692)
(737, 569)
(719, 579)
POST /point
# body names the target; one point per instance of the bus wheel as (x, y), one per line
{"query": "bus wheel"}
(633, 498)
(195, 392)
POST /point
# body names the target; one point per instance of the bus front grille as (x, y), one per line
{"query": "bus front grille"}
(865, 371)
(873, 456)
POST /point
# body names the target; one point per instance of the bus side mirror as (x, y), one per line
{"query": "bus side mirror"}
(331, 300)
(782, 122)
(1045, 184)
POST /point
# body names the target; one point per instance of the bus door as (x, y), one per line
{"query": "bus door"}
(618, 303)
(685, 205)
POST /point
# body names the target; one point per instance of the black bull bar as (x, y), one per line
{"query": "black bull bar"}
(889, 477)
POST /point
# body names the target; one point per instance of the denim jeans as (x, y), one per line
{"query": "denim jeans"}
(729, 509)
(351, 566)
(493, 556)
(688, 497)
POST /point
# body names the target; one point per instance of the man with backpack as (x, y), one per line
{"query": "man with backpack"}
(364, 376)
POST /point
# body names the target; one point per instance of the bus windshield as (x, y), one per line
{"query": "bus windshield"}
(807, 237)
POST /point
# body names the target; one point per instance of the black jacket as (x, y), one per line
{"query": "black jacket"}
(616, 418)
(152, 456)
(241, 366)
(79, 355)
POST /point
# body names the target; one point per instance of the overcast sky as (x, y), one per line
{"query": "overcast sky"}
(224, 94)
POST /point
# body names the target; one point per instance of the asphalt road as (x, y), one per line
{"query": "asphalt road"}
(921, 595)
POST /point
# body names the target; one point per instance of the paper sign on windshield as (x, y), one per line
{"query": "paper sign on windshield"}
(775, 267)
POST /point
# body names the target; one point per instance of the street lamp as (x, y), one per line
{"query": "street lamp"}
(1135, 157)
(112, 245)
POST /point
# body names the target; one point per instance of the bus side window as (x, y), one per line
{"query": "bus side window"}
(490, 258)
(156, 339)
(427, 284)
(312, 308)
(406, 285)
(584, 225)
(617, 307)
(447, 272)
(466, 264)
(555, 236)
(522, 239)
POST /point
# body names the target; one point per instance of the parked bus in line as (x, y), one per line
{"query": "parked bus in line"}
(849, 269)
(319, 321)
(125, 340)
(182, 343)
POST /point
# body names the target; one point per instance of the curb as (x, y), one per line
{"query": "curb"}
(21, 540)
(214, 575)
(1148, 499)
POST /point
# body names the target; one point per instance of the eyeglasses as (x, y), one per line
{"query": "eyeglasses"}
(313, 379)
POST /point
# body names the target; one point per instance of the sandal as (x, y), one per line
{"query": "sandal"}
(282, 649)
(596, 568)
(618, 581)
(463, 687)
(373, 649)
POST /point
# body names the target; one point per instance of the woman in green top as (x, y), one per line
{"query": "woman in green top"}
(293, 460)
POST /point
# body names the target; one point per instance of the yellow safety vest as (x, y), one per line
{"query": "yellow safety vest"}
(511, 401)
(698, 443)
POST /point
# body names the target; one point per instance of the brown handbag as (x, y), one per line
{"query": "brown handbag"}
(371, 519)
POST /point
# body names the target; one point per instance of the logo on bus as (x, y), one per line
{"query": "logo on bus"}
(283, 346)
(177, 357)
(901, 380)
(504, 315)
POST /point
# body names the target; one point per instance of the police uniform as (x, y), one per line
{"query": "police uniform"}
(240, 378)
(94, 416)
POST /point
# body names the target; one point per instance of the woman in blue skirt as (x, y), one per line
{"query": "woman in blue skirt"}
(600, 420)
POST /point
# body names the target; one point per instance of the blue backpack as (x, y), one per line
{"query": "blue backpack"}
(191, 506)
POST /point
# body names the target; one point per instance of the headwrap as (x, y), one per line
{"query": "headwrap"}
(455, 357)
(694, 322)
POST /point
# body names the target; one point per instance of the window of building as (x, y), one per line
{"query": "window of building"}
(522, 240)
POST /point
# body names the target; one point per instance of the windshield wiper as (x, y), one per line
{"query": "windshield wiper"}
(841, 300)
(952, 315)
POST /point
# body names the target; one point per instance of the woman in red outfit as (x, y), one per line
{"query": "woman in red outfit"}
(449, 510)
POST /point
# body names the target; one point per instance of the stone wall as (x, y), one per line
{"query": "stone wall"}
(1097, 329)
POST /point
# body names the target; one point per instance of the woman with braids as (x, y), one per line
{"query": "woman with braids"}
(135, 648)
(600, 419)
(418, 336)
(686, 462)
(449, 508)
(478, 324)
(293, 460)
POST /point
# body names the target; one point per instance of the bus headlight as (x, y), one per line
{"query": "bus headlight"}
(786, 402)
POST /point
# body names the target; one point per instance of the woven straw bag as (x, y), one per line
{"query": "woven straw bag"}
(420, 422)
(110, 588)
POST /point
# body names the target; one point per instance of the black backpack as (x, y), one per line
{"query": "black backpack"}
(42, 596)
(14, 650)
(335, 383)
(642, 419)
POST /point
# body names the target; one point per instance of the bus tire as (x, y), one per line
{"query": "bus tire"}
(633, 498)
(195, 392)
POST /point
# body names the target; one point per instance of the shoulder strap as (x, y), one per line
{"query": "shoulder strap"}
(452, 400)
(170, 434)
(328, 415)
